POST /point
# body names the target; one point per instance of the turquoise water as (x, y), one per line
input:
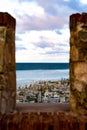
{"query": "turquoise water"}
(42, 66)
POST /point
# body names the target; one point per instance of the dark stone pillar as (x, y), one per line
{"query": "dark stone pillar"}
(7, 63)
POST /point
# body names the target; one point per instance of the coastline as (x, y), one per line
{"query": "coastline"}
(44, 92)
(31, 76)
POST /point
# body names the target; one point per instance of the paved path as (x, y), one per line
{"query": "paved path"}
(42, 107)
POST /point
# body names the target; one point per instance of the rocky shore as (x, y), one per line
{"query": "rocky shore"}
(44, 91)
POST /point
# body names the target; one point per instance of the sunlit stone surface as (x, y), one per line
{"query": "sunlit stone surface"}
(78, 63)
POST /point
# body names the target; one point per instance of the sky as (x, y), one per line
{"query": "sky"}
(42, 28)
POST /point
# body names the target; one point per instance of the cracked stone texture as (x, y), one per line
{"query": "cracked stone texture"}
(78, 63)
(7, 63)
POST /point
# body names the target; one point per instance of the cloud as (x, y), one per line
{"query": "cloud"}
(83, 1)
(20, 48)
(42, 28)
(42, 15)
(47, 37)
(35, 56)
(45, 45)
(39, 23)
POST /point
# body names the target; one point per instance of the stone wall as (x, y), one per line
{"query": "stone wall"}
(78, 63)
(43, 121)
(7, 63)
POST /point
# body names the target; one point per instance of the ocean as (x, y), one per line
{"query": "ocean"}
(27, 73)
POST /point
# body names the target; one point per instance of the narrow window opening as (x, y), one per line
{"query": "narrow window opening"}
(47, 85)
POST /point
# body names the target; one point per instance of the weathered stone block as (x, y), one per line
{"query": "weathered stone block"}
(0, 94)
(78, 63)
(82, 54)
(7, 63)
(1, 54)
(2, 33)
(80, 68)
(2, 43)
(78, 86)
(82, 35)
(7, 20)
(11, 81)
(74, 56)
(2, 82)
(82, 77)
(3, 106)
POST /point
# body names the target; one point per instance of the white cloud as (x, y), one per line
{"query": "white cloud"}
(30, 8)
(8, 6)
(43, 46)
(23, 8)
(50, 36)
(42, 34)
(34, 56)
(83, 1)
